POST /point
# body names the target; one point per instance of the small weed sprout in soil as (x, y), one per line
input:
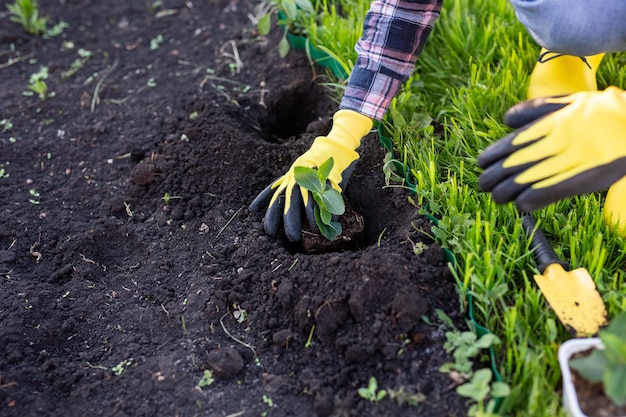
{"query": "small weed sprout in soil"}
(207, 379)
(372, 392)
(121, 367)
(26, 13)
(37, 83)
(608, 365)
(329, 201)
(479, 388)
(466, 346)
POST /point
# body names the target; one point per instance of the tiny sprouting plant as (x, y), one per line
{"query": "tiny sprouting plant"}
(207, 379)
(465, 346)
(56, 30)
(156, 42)
(371, 392)
(239, 313)
(329, 201)
(268, 400)
(121, 367)
(83, 56)
(34, 194)
(6, 125)
(167, 199)
(26, 13)
(309, 341)
(37, 83)
(481, 389)
(608, 365)
(3, 172)
(401, 396)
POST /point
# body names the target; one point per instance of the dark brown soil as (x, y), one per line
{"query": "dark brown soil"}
(130, 263)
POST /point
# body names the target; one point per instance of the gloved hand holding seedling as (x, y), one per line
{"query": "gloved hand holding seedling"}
(286, 200)
(329, 201)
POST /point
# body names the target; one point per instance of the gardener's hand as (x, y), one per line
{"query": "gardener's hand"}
(564, 146)
(285, 201)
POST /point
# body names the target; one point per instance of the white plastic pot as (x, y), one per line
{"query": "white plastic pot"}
(566, 350)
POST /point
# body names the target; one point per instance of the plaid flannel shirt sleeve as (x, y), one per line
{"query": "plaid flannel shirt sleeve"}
(394, 34)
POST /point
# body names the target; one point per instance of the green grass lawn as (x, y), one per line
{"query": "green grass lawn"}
(475, 66)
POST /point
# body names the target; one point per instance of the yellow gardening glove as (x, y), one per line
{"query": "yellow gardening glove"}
(565, 146)
(615, 206)
(285, 201)
(557, 75)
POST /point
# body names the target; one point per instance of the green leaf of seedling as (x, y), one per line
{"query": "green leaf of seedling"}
(283, 46)
(617, 326)
(591, 367)
(324, 169)
(336, 227)
(325, 216)
(478, 388)
(307, 178)
(614, 347)
(364, 393)
(333, 202)
(614, 383)
(372, 385)
(305, 5)
(317, 197)
(329, 230)
(487, 340)
(500, 390)
(264, 24)
(289, 7)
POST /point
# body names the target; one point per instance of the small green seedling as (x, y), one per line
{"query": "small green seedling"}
(401, 396)
(6, 125)
(372, 392)
(37, 83)
(481, 389)
(608, 365)
(26, 13)
(465, 347)
(207, 379)
(121, 367)
(156, 42)
(268, 400)
(83, 56)
(329, 201)
(168, 198)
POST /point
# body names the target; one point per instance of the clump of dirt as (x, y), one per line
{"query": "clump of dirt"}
(131, 265)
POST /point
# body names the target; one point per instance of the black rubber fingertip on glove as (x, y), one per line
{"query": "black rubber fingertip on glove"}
(262, 200)
(498, 151)
(292, 219)
(495, 174)
(273, 217)
(529, 111)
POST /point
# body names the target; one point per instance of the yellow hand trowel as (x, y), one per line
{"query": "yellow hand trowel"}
(571, 294)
